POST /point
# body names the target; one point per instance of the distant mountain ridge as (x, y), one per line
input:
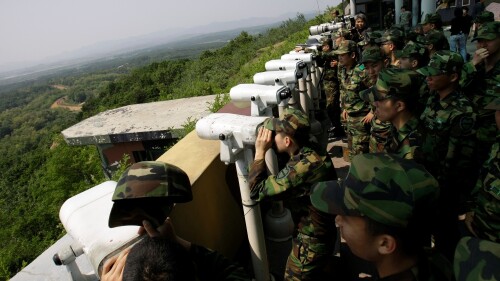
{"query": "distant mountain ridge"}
(105, 49)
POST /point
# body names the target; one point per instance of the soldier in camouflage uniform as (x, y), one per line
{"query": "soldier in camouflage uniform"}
(484, 219)
(395, 96)
(144, 195)
(329, 62)
(447, 150)
(433, 41)
(433, 23)
(373, 61)
(314, 241)
(355, 112)
(390, 42)
(147, 191)
(405, 18)
(383, 209)
(480, 83)
(412, 57)
(476, 258)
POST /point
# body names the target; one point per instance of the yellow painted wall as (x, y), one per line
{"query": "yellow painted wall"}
(214, 218)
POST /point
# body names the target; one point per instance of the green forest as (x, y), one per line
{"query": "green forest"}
(39, 171)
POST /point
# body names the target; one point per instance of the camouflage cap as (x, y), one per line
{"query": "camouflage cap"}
(147, 190)
(346, 46)
(476, 259)
(370, 38)
(443, 62)
(393, 35)
(372, 54)
(383, 187)
(484, 17)
(292, 122)
(393, 82)
(412, 49)
(432, 18)
(488, 31)
(436, 38)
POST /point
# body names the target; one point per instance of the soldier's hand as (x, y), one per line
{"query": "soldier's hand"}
(113, 268)
(263, 142)
(479, 56)
(368, 118)
(344, 115)
(334, 63)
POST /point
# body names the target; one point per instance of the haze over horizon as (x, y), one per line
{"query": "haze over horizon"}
(32, 30)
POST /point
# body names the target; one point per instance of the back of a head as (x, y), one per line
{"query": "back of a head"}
(157, 259)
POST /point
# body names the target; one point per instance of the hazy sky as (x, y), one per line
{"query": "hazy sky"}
(34, 29)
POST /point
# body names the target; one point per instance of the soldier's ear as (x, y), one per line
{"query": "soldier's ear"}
(414, 63)
(453, 77)
(400, 106)
(386, 244)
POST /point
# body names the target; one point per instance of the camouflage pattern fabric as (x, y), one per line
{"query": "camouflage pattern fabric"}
(405, 141)
(482, 87)
(147, 190)
(488, 31)
(447, 152)
(393, 34)
(448, 132)
(405, 18)
(484, 17)
(292, 122)
(346, 46)
(485, 219)
(476, 260)
(391, 191)
(383, 187)
(434, 18)
(412, 49)
(316, 233)
(358, 136)
(372, 54)
(436, 38)
(358, 133)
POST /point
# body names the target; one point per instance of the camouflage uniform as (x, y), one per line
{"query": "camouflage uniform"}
(435, 18)
(405, 19)
(358, 133)
(416, 51)
(399, 84)
(147, 191)
(448, 147)
(314, 242)
(332, 91)
(482, 87)
(379, 130)
(391, 191)
(476, 260)
(484, 220)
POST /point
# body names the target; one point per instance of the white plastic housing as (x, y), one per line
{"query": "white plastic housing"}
(85, 218)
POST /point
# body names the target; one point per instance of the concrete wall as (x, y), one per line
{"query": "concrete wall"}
(215, 217)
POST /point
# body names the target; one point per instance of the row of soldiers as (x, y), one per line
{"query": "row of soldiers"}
(403, 92)
(428, 120)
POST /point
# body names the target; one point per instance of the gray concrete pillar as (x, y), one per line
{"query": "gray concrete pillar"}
(352, 7)
(427, 7)
(414, 12)
(397, 9)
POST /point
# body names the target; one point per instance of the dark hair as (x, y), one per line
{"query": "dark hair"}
(410, 240)
(156, 259)
(465, 8)
(403, 7)
(458, 12)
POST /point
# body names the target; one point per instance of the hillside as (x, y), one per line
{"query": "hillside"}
(39, 170)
